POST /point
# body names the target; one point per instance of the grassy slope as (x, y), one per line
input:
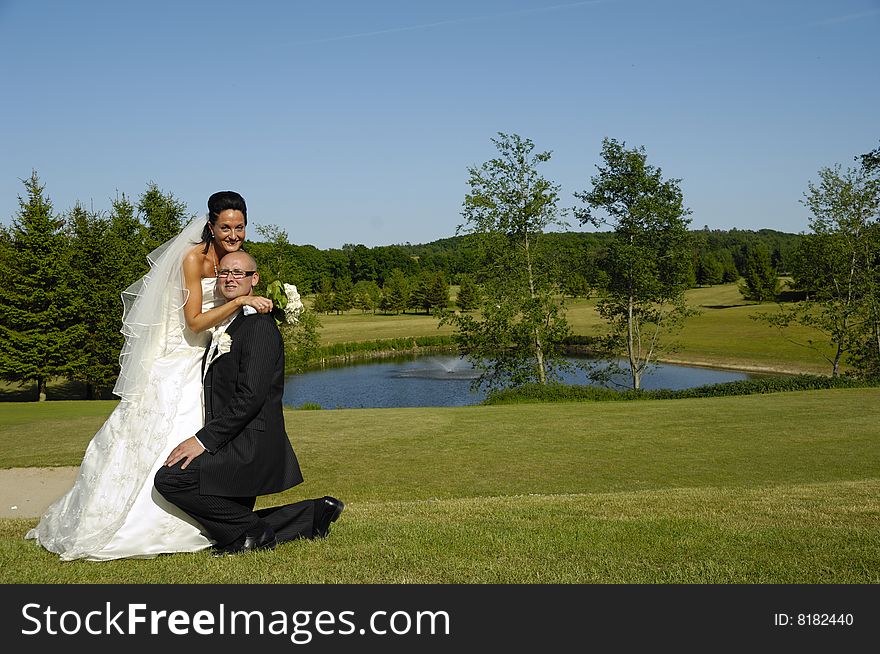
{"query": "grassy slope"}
(758, 489)
(722, 334)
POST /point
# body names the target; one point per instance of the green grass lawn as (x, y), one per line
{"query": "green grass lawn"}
(357, 326)
(723, 334)
(779, 488)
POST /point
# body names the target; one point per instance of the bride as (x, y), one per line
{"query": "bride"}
(113, 511)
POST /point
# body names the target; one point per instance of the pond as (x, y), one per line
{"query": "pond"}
(444, 380)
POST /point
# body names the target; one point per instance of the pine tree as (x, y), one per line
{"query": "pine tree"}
(126, 243)
(95, 282)
(728, 267)
(163, 214)
(367, 295)
(438, 292)
(396, 291)
(709, 270)
(468, 294)
(37, 311)
(324, 297)
(343, 294)
(760, 281)
(420, 297)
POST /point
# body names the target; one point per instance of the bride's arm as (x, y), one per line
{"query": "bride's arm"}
(197, 320)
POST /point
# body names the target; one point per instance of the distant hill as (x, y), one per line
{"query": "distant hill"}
(576, 254)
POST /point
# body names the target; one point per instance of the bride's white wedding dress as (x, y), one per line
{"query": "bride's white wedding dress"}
(113, 511)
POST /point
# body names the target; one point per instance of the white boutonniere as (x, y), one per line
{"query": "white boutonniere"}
(221, 343)
(224, 343)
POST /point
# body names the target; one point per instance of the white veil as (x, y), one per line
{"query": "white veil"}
(152, 319)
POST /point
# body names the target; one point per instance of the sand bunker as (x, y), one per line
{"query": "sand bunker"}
(28, 492)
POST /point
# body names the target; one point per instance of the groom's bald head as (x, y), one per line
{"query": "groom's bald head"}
(234, 262)
(243, 260)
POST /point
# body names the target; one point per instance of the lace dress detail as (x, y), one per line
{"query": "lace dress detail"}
(113, 511)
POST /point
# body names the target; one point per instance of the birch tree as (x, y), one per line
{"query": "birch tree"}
(648, 263)
(518, 335)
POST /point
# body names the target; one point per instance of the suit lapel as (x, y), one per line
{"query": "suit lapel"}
(236, 324)
(208, 368)
(211, 354)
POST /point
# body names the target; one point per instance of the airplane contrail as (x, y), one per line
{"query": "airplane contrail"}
(846, 18)
(454, 21)
(822, 22)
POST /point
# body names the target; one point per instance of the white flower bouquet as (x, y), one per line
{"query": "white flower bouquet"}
(288, 304)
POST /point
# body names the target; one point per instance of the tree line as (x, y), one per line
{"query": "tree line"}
(416, 278)
(716, 257)
(514, 258)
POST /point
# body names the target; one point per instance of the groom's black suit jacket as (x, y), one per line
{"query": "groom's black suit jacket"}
(249, 453)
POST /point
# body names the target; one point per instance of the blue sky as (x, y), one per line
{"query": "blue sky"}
(356, 121)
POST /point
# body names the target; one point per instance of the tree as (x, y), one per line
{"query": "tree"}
(419, 298)
(728, 265)
(324, 300)
(343, 294)
(367, 295)
(866, 355)
(430, 292)
(361, 262)
(396, 292)
(709, 270)
(760, 281)
(468, 297)
(870, 162)
(163, 214)
(301, 340)
(37, 310)
(95, 289)
(648, 263)
(107, 254)
(127, 243)
(519, 334)
(837, 265)
(7, 249)
(277, 258)
(438, 292)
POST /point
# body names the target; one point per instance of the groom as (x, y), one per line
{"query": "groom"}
(243, 450)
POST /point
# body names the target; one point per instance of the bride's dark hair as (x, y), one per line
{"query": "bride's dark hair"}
(218, 203)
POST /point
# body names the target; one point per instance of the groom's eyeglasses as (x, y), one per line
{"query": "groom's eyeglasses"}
(236, 274)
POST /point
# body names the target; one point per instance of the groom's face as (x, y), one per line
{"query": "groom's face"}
(238, 262)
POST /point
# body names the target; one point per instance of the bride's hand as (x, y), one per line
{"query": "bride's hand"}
(261, 304)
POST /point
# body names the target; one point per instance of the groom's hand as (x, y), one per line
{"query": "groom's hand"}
(188, 450)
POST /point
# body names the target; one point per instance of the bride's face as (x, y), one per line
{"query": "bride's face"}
(229, 230)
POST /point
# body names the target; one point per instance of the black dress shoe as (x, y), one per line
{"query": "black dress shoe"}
(264, 541)
(230, 548)
(332, 509)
